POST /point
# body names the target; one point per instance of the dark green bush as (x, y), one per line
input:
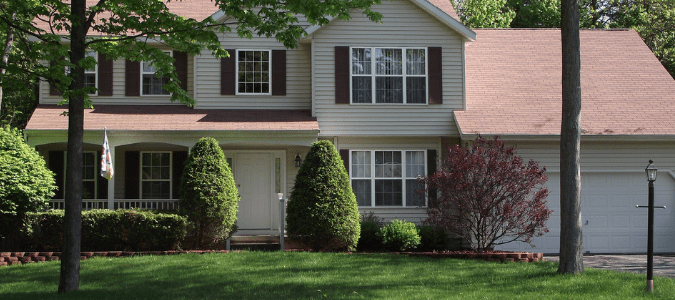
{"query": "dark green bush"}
(432, 239)
(26, 184)
(322, 212)
(208, 195)
(370, 240)
(400, 236)
(107, 230)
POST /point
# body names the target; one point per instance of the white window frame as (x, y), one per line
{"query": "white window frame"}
(402, 178)
(65, 166)
(170, 53)
(269, 72)
(94, 72)
(373, 75)
(141, 180)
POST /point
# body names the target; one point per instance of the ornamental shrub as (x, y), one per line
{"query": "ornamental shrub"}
(369, 239)
(488, 196)
(400, 236)
(107, 230)
(208, 195)
(322, 213)
(432, 238)
(26, 184)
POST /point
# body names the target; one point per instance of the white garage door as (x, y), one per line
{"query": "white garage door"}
(611, 223)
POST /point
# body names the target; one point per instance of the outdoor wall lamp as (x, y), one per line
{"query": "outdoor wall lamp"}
(297, 160)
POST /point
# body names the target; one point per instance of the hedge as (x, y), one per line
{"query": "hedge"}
(107, 230)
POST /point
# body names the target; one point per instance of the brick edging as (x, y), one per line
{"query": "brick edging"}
(17, 258)
(496, 256)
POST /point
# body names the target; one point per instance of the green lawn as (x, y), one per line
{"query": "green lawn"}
(274, 275)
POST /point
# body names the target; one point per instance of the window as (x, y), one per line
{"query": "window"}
(387, 178)
(389, 75)
(90, 78)
(156, 175)
(151, 83)
(253, 72)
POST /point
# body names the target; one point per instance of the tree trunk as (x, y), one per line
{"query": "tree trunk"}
(72, 222)
(571, 248)
(5, 55)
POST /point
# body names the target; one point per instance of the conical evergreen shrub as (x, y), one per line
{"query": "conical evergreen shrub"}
(208, 195)
(322, 212)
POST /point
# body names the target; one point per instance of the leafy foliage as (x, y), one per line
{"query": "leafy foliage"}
(322, 212)
(488, 195)
(208, 194)
(26, 184)
(107, 230)
(369, 239)
(484, 13)
(432, 238)
(400, 236)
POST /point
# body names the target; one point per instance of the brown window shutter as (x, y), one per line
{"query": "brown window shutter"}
(101, 182)
(179, 158)
(342, 75)
(344, 154)
(432, 157)
(105, 76)
(181, 64)
(228, 71)
(52, 89)
(435, 75)
(56, 164)
(132, 84)
(132, 162)
(278, 72)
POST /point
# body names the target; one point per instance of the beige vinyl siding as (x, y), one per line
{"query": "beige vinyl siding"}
(118, 96)
(616, 156)
(403, 25)
(298, 80)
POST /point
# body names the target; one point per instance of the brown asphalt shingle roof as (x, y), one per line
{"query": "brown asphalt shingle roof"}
(445, 6)
(175, 118)
(513, 84)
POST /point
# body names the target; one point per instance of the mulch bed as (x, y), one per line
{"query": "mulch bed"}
(14, 258)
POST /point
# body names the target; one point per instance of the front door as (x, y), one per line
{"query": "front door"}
(253, 174)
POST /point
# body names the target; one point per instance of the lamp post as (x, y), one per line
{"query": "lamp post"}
(651, 177)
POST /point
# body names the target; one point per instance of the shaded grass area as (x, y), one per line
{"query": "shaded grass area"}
(275, 275)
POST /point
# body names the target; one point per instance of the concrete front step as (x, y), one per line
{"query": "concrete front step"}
(255, 240)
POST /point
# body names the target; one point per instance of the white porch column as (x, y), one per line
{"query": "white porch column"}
(111, 182)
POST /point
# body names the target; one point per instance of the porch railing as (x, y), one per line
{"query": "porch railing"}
(154, 204)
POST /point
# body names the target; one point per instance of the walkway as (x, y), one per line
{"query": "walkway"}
(664, 265)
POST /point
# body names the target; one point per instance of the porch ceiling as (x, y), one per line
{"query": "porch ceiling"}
(175, 118)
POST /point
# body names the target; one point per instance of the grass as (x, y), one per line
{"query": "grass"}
(274, 275)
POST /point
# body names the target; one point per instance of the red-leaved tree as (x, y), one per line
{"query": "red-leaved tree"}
(488, 195)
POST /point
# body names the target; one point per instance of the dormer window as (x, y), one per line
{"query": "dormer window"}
(389, 75)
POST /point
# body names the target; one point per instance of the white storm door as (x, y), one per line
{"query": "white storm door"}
(253, 176)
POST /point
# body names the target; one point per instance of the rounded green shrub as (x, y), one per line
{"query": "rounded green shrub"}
(322, 212)
(370, 240)
(208, 194)
(432, 238)
(400, 236)
(26, 184)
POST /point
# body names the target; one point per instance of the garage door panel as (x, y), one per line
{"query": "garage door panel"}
(614, 224)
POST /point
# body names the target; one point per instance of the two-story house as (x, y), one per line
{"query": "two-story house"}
(391, 97)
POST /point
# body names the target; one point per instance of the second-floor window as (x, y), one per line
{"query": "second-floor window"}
(253, 72)
(90, 78)
(389, 75)
(151, 83)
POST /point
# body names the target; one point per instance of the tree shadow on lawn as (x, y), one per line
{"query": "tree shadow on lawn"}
(305, 276)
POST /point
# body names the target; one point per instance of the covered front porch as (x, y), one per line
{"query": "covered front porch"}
(148, 163)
